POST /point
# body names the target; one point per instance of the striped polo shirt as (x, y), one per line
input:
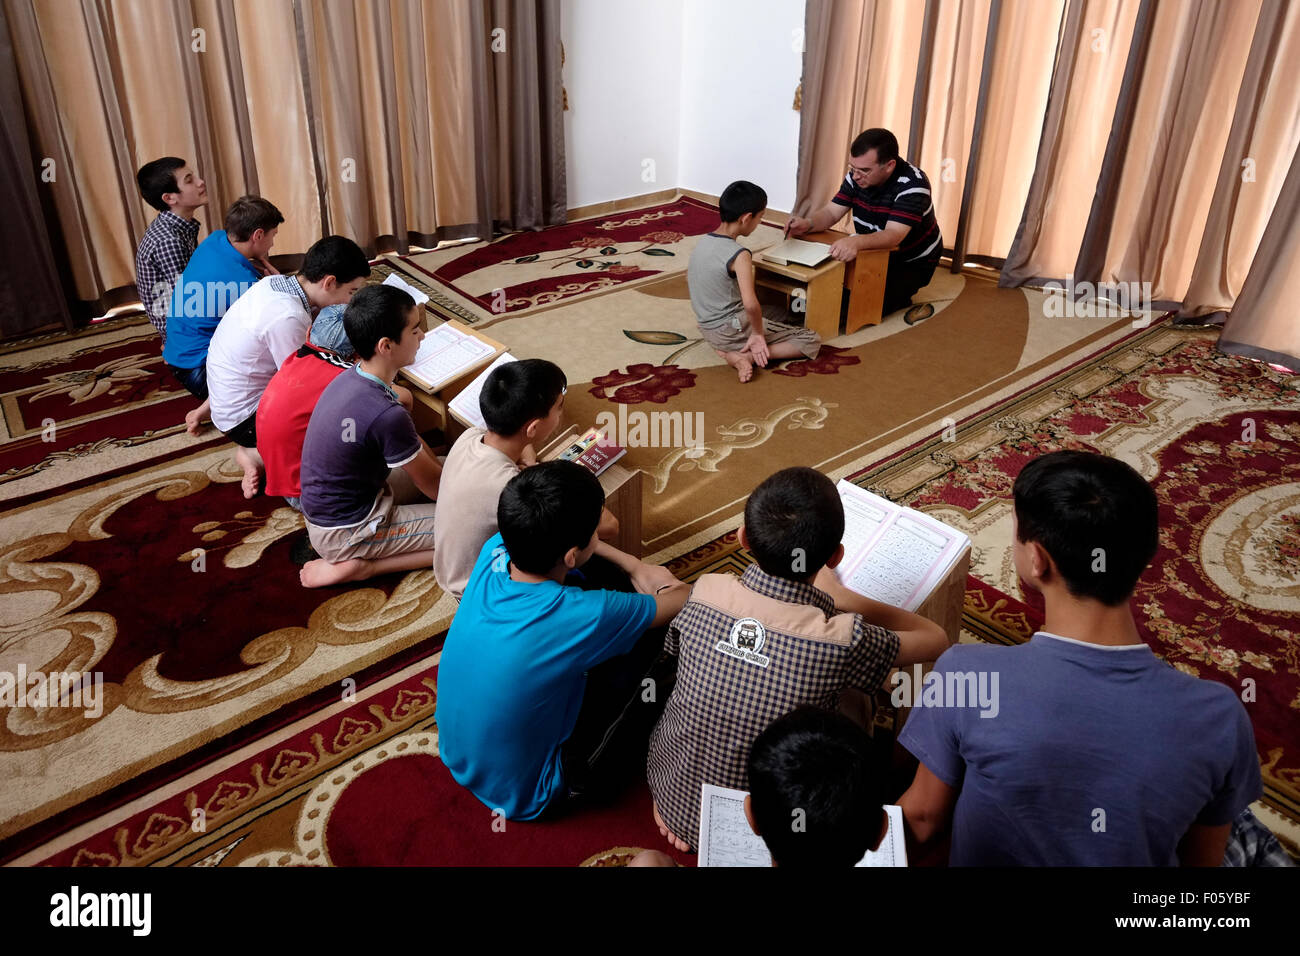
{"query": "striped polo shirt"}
(903, 197)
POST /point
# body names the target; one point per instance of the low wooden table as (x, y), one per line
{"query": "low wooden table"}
(622, 487)
(430, 409)
(818, 285)
(944, 606)
(864, 277)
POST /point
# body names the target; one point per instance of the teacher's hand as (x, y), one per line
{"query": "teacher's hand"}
(845, 250)
(797, 227)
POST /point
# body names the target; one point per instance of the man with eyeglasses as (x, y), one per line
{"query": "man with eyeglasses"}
(891, 206)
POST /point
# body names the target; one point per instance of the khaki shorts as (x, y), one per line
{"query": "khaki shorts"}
(776, 329)
(401, 521)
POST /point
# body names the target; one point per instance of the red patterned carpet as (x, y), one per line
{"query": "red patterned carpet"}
(528, 271)
(359, 782)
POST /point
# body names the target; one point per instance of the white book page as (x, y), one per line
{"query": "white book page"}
(465, 405)
(397, 281)
(892, 850)
(894, 554)
(444, 354)
(725, 836)
(799, 251)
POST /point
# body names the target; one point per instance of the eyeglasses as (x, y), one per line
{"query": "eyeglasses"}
(857, 171)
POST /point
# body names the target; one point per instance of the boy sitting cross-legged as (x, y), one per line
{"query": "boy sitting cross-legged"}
(720, 276)
(537, 676)
(368, 480)
(521, 403)
(750, 649)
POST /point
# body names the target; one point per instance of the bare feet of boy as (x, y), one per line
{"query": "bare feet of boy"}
(251, 462)
(195, 419)
(740, 361)
(321, 574)
(669, 835)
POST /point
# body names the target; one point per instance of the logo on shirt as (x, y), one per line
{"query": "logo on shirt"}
(746, 639)
(500, 560)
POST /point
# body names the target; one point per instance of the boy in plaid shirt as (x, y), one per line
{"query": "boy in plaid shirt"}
(754, 648)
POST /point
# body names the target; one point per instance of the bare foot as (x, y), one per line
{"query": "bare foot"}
(321, 574)
(652, 858)
(742, 363)
(251, 462)
(668, 834)
(195, 419)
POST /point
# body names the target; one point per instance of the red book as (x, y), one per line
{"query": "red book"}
(600, 455)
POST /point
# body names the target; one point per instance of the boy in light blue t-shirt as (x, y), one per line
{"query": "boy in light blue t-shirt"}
(521, 722)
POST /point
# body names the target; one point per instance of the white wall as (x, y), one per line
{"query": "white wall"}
(702, 87)
(741, 62)
(622, 71)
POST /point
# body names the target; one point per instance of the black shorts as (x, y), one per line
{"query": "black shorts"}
(245, 433)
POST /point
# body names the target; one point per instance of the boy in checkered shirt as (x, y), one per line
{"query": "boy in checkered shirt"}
(753, 648)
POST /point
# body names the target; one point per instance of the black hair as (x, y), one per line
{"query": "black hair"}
(158, 177)
(335, 256)
(739, 198)
(518, 392)
(247, 214)
(814, 793)
(374, 313)
(547, 509)
(1095, 516)
(794, 522)
(881, 140)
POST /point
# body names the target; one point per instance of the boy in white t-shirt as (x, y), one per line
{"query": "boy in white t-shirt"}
(266, 325)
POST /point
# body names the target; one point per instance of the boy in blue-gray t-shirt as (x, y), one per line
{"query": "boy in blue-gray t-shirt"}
(1083, 747)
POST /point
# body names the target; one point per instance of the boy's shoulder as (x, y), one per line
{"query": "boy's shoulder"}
(479, 461)
(717, 601)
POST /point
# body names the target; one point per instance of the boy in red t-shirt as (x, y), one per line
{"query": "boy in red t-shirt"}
(287, 404)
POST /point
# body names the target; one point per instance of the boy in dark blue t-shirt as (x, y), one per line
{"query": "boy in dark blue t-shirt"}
(521, 723)
(368, 480)
(1090, 749)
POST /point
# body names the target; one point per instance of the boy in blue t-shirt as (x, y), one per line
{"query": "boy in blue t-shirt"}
(521, 722)
(222, 269)
(1090, 749)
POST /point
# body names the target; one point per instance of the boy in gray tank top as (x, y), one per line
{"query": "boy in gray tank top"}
(721, 281)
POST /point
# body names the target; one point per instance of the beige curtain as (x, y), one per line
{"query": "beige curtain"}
(1265, 131)
(1017, 83)
(388, 121)
(1263, 322)
(1186, 90)
(1089, 71)
(860, 61)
